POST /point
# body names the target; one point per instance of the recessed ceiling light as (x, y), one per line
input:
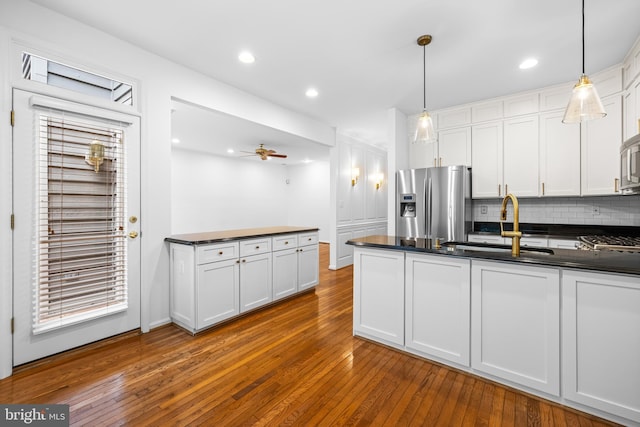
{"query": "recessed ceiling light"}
(246, 57)
(175, 140)
(311, 92)
(230, 150)
(528, 63)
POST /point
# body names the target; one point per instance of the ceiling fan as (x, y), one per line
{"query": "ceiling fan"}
(265, 153)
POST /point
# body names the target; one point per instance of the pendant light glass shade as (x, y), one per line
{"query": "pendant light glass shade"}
(424, 128)
(584, 104)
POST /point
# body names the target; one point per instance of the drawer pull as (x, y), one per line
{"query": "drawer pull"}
(257, 247)
(220, 253)
(309, 239)
(286, 243)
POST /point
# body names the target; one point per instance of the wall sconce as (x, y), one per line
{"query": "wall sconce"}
(96, 155)
(379, 178)
(355, 174)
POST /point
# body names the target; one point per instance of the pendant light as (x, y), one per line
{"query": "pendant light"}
(424, 128)
(585, 103)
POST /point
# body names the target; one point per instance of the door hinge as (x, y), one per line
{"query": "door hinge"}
(13, 117)
(13, 325)
(13, 221)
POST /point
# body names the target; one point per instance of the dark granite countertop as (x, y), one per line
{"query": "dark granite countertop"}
(226, 235)
(602, 261)
(567, 231)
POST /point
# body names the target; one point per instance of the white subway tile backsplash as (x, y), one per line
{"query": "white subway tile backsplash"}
(611, 210)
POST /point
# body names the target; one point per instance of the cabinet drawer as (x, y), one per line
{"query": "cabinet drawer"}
(216, 252)
(255, 246)
(287, 241)
(305, 239)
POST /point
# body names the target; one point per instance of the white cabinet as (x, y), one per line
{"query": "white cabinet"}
(601, 342)
(486, 160)
(505, 158)
(528, 241)
(515, 332)
(204, 284)
(496, 239)
(308, 268)
(378, 295)
(631, 110)
(295, 263)
(521, 156)
(601, 150)
(215, 282)
(255, 281)
(563, 243)
(454, 147)
(559, 159)
(438, 307)
(217, 293)
(255, 273)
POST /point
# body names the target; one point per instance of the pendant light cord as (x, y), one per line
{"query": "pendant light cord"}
(424, 77)
(582, 36)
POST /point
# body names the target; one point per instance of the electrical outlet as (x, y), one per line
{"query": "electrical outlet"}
(483, 209)
(596, 210)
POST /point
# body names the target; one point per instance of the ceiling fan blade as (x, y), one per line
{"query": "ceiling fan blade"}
(280, 156)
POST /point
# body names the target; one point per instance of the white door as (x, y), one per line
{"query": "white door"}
(76, 271)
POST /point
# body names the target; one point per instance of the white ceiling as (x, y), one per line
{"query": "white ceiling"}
(362, 55)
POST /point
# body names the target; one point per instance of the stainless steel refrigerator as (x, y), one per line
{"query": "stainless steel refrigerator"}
(434, 203)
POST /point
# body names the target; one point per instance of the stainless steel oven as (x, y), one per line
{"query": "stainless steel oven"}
(630, 166)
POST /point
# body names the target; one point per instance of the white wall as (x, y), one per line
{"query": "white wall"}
(308, 196)
(157, 81)
(211, 192)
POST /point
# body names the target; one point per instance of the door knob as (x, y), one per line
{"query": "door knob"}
(133, 234)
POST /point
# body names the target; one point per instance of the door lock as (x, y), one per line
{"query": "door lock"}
(133, 234)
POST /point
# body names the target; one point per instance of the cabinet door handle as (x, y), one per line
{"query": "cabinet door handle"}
(499, 190)
(237, 261)
(615, 185)
(543, 188)
(244, 260)
(435, 162)
(506, 189)
(440, 162)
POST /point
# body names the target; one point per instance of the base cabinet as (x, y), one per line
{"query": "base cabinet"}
(438, 298)
(255, 281)
(515, 333)
(217, 293)
(211, 283)
(601, 342)
(378, 295)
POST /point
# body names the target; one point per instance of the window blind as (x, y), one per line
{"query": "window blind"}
(81, 268)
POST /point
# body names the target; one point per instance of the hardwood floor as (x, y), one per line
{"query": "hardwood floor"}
(295, 363)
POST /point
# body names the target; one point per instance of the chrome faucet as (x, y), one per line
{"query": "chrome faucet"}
(515, 234)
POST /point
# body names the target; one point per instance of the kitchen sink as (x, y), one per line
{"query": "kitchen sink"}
(488, 247)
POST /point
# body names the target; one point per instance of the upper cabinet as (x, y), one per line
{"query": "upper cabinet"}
(520, 150)
(454, 147)
(519, 144)
(559, 164)
(601, 141)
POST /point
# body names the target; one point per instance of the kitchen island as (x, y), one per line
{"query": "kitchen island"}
(561, 324)
(219, 275)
